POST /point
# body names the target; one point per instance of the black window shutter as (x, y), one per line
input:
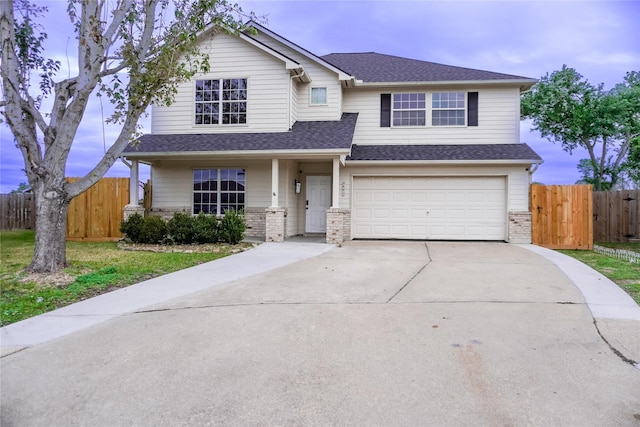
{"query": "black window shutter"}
(385, 110)
(472, 109)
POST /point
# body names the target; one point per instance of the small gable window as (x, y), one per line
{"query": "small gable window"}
(318, 96)
(448, 108)
(221, 102)
(409, 109)
(218, 190)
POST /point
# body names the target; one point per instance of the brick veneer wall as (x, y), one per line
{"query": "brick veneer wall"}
(256, 222)
(167, 213)
(338, 225)
(519, 227)
(275, 224)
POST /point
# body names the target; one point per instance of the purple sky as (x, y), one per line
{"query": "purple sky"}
(598, 39)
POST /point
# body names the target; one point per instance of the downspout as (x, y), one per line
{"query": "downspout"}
(290, 95)
(125, 162)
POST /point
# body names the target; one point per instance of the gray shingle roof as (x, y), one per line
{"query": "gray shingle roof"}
(375, 67)
(319, 135)
(444, 152)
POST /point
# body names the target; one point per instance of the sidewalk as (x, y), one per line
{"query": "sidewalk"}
(616, 315)
(84, 314)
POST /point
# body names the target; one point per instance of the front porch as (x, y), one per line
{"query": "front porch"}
(303, 195)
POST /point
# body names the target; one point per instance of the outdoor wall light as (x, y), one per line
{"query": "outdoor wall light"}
(297, 185)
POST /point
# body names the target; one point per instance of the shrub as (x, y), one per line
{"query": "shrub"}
(232, 227)
(181, 228)
(154, 230)
(206, 229)
(132, 227)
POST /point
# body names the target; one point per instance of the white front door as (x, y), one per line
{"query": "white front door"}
(318, 189)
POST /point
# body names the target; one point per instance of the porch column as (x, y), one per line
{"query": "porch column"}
(133, 207)
(275, 169)
(133, 183)
(335, 184)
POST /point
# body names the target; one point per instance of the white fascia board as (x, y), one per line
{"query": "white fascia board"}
(341, 74)
(525, 84)
(267, 154)
(439, 162)
(290, 64)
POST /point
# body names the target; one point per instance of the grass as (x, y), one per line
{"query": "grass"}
(94, 268)
(625, 274)
(635, 247)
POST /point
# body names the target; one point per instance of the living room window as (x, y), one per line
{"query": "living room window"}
(448, 108)
(409, 109)
(217, 190)
(221, 102)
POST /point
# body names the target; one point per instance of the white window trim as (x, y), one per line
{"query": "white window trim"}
(217, 125)
(218, 192)
(465, 109)
(326, 93)
(426, 110)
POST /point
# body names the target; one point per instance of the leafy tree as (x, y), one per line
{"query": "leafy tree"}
(22, 187)
(135, 52)
(631, 166)
(589, 169)
(566, 108)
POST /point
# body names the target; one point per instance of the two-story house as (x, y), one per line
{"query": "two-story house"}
(351, 145)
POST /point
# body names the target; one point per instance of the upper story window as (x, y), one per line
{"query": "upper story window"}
(409, 109)
(221, 102)
(318, 96)
(448, 108)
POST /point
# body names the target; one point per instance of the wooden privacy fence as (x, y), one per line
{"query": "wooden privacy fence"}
(616, 215)
(561, 216)
(97, 213)
(18, 211)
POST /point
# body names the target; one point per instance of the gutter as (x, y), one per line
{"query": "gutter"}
(440, 162)
(524, 83)
(268, 154)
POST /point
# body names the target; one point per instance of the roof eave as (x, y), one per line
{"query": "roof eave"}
(267, 154)
(343, 76)
(442, 162)
(524, 84)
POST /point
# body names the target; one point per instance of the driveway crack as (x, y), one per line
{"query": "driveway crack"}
(615, 350)
(428, 261)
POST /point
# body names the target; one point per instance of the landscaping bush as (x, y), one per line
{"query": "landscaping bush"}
(181, 228)
(132, 227)
(154, 230)
(206, 228)
(185, 229)
(232, 227)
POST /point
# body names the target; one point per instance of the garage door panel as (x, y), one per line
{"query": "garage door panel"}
(448, 208)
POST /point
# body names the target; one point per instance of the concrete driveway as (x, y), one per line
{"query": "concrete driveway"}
(370, 333)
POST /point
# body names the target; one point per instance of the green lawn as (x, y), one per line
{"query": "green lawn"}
(625, 274)
(94, 268)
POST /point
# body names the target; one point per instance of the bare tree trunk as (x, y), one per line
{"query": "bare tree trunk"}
(50, 252)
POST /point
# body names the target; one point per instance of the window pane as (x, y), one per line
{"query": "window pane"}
(318, 95)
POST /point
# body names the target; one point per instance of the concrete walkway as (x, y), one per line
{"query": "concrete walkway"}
(369, 333)
(84, 314)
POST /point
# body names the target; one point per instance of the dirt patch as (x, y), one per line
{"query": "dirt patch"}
(48, 280)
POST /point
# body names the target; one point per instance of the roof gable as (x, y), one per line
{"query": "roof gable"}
(342, 75)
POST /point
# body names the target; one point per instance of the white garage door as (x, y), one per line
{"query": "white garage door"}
(447, 208)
